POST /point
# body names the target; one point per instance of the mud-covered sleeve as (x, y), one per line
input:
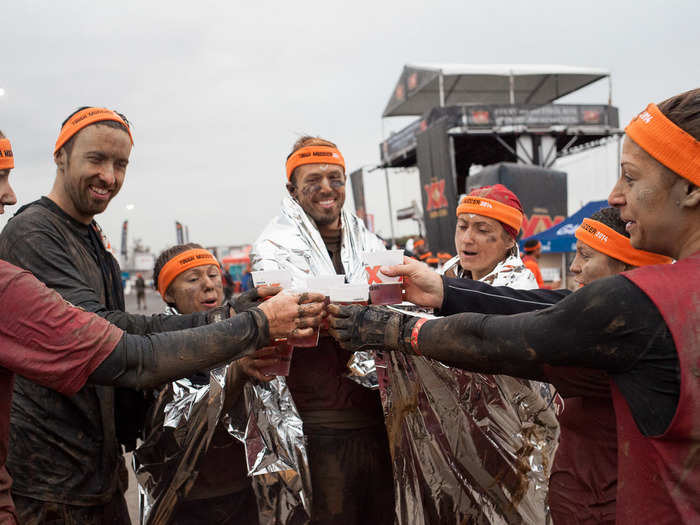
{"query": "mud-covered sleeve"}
(605, 325)
(44, 254)
(467, 295)
(140, 362)
(47, 340)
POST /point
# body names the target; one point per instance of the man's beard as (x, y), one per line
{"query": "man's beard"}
(82, 202)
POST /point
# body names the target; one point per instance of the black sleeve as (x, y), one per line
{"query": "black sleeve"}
(140, 362)
(467, 295)
(43, 253)
(609, 325)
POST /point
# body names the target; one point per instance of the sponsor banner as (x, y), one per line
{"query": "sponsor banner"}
(437, 182)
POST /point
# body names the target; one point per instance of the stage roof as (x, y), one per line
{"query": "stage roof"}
(422, 87)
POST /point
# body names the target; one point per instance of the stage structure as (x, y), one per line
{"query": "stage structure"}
(478, 115)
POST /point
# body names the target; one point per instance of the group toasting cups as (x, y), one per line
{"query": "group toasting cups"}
(380, 289)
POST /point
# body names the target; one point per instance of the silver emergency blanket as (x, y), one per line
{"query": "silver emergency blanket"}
(291, 242)
(466, 447)
(276, 454)
(180, 428)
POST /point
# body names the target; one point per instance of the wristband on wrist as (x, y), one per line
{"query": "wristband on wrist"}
(414, 335)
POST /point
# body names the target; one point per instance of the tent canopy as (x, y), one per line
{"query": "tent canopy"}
(422, 87)
(560, 238)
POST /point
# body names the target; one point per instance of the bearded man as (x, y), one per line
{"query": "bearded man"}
(350, 468)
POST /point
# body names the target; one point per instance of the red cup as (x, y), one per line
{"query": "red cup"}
(283, 352)
(308, 341)
(386, 293)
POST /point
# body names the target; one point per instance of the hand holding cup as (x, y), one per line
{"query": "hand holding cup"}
(293, 314)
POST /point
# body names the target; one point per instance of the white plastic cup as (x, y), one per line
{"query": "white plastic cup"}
(382, 288)
(350, 294)
(272, 278)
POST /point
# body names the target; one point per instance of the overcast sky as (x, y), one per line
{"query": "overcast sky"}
(218, 91)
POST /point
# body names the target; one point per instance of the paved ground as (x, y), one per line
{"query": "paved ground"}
(154, 305)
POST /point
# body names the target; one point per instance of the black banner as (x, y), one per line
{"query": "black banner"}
(542, 192)
(358, 194)
(437, 180)
(401, 144)
(124, 249)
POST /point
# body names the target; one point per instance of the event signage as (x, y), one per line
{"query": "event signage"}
(402, 144)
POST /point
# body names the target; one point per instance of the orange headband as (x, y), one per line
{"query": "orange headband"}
(666, 142)
(491, 208)
(181, 263)
(533, 247)
(606, 240)
(314, 155)
(7, 159)
(83, 119)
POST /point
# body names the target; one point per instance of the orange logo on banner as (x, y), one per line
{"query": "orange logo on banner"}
(537, 223)
(435, 191)
(372, 276)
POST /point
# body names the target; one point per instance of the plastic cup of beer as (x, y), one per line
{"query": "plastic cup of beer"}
(283, 352)
(382, 288)
(308, 341)
(323, 284)
(350, 294)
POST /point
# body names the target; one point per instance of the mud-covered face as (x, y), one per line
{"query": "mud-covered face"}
(320, 190)
(648, 197)
(481, 243)
(590, 265)
(94, 172)
(196, 290)
(7, 194)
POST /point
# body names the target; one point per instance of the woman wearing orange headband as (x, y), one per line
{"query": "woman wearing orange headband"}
(189, 280)
(488, 222)
(640, 326)
(7, 162)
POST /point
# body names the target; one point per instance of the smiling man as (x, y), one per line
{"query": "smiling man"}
(351, 477)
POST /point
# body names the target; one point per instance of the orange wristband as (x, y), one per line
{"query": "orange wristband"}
(606, 240)
(491, 208)
(314, 155)
(7, 159)
(667, 143)
(414, 334)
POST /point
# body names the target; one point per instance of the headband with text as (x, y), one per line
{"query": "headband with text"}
(7, 159)
(670, 145)
(606, 240)
(181, 263)
(491, 208)
(314, 155)
(84, 118)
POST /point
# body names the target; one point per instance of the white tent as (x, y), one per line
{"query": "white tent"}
(422, 87)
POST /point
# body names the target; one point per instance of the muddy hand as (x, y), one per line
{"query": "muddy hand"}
(366, 327)
(251, 298)
(422, 284)
(253, 365)
(293, 314)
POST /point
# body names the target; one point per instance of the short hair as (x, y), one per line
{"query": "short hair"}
(611, 218)
(68, 146)
(168, 254)
(531, 243)
(684, 111)
(304, 141)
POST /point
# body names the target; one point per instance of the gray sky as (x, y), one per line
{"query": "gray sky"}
(218, 91)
